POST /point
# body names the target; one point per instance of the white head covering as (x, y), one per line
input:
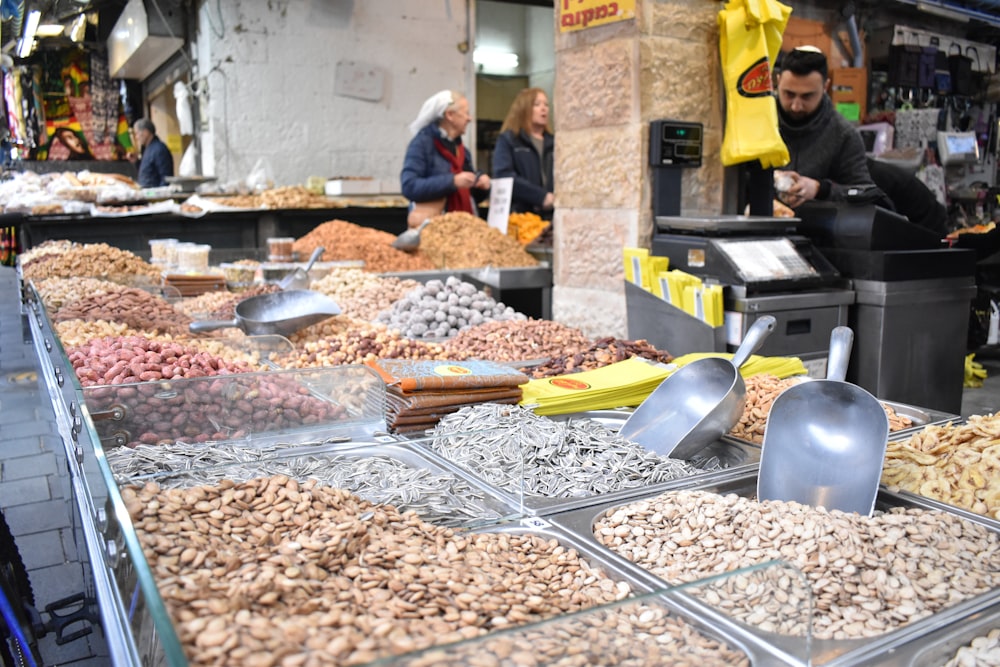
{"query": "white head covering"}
(432, 110)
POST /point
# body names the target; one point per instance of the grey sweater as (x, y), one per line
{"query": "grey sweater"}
(828, 148)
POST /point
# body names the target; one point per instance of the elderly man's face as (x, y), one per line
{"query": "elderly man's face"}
(800, 96)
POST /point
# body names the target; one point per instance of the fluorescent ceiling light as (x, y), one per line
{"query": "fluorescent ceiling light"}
(28, 38)
(50, 30)
(495, 59)
(78, 29)
(942, 11)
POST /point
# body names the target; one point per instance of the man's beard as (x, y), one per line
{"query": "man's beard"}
(800, 118)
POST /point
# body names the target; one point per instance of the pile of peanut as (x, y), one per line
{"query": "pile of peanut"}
(867, 575)
(273, 571)
(221, 407)
(361, 294)
(515, 340)
(763, 388)
(131, 306)
(462, 241)
(98, 260)
(130, 359)
(601, 353)
(345, 240)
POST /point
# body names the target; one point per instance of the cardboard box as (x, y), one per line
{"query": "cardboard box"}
(849, 85)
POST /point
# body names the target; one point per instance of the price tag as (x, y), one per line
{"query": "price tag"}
(536, 522)
(769, 259)
(501, 190)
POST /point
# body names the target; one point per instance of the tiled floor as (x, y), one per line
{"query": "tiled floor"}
(34, 485)
(34, 493)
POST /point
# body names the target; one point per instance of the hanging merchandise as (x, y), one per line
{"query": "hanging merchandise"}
(185, 120)
(15, 110)
(104, 98)
(960, 67)
(749, 40)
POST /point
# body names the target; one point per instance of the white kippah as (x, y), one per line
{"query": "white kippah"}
(432, 110)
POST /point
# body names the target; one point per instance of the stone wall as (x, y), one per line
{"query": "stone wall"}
(612, 81)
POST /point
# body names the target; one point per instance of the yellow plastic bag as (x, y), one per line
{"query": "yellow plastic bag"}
(749, 40)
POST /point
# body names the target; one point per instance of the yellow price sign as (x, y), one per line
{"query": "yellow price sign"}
(580, 14)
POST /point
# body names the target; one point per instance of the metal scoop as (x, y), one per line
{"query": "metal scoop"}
(410, 239)
(281, 313)
(825, 440)
(698, 403)
(299, 278)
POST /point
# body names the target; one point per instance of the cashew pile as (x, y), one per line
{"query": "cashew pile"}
(763, 388)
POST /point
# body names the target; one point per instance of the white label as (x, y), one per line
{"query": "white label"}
(733, 322)
(816, 368)
(501, 190)
(536, 522)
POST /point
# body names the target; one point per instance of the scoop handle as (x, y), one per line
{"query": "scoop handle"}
(316, 254)
(841, 344)
(202, 326)
(754, 338)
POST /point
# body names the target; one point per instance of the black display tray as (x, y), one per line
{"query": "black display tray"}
(891, 265)
(868, 227)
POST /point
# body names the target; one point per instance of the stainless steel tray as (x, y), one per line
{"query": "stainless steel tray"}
(497, 507)
(921, 417)
(651, 591)
(845, 652)
(741, 458)
(910, 496)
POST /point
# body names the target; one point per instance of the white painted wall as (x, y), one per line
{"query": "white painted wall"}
(267, 68)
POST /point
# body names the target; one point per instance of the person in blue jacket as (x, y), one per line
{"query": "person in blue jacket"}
(156, 162)
(524, 151)
(438, 175)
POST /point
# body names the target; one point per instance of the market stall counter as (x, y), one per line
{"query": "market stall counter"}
(236, 228)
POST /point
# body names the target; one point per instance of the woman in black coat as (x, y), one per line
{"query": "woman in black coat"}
(524, 151)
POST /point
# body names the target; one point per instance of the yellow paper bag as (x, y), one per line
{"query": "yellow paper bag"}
(749, 40)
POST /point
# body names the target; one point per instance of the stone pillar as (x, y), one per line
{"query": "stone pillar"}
(611, 81)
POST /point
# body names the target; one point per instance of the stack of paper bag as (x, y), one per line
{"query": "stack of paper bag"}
(628, 383)
(419, 393)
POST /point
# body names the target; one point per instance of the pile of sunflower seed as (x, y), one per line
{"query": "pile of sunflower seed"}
(436, 496)
(516, 450)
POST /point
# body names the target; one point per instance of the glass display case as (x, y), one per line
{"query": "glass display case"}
(857, 566)
(681, 625)
(227, 497)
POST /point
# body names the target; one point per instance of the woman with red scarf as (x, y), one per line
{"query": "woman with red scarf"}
(437, 171)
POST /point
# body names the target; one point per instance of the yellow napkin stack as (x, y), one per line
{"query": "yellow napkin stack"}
(678, 288)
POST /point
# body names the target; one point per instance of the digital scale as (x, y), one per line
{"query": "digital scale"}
(764, 264)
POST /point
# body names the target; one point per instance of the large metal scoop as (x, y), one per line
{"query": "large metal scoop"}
(698, 403)
(410, 239)
(825, 440)
(299, 278)
(281, 313)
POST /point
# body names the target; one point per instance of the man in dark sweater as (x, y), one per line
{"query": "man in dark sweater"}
(156, 163)
(827, 153)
